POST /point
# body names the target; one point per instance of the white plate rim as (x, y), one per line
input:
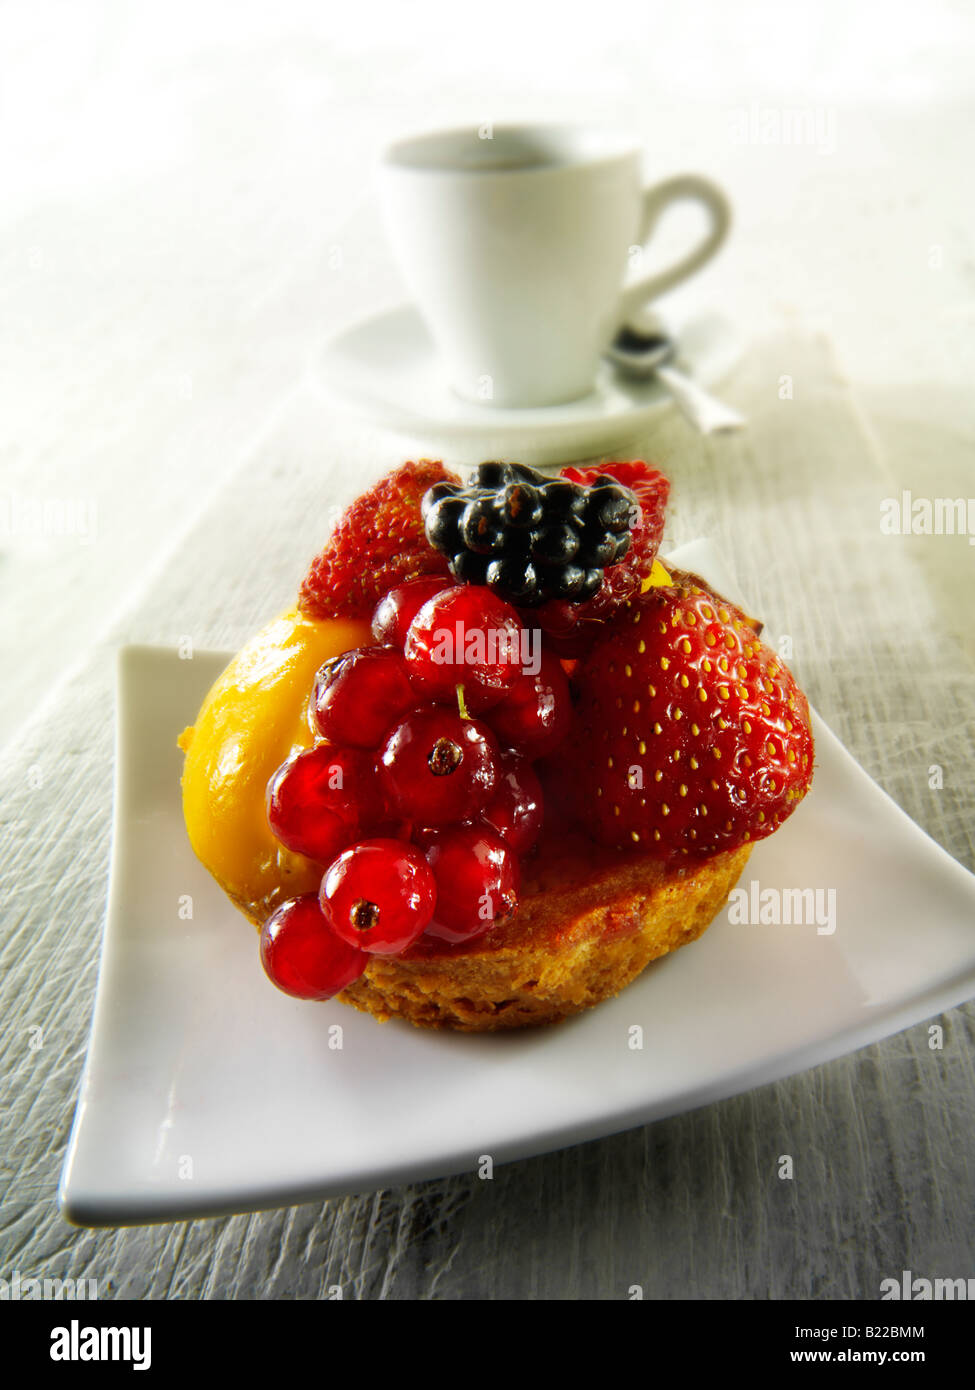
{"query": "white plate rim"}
(95, 1203)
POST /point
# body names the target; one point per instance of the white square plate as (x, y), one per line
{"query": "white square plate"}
(206, 1091)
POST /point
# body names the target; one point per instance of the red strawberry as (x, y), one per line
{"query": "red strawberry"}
(571, 624)
(690, 734)
(378, 543)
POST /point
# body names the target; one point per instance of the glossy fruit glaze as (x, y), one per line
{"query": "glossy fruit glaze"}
(252, 720)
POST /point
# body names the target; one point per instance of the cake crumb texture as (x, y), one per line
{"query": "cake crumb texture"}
(580, 936)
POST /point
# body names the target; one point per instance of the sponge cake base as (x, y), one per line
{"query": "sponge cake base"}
(588, 922)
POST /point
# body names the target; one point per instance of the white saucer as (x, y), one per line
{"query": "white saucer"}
(386, 368)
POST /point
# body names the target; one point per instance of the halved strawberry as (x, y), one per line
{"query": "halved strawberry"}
(378, 543)
(690, 735)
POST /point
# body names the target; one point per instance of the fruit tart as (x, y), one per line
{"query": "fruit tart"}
(498, 757)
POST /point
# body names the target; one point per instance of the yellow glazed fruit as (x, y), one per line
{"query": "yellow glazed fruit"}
(657, 578)
(253, 718)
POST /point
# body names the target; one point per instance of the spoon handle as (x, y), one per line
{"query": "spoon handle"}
(703, 410)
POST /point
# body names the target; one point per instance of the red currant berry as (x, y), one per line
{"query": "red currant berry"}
(534, 716)
(379, 896)
(477, 879)
(360, 694)
(436, 767)
(465, 636)
(323, 800)
(567, 632)
(395, 612)
(515, 809)
(303, 956)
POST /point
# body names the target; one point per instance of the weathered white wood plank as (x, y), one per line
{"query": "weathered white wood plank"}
(690, 1207)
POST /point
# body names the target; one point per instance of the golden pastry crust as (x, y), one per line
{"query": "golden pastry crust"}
(587, 924)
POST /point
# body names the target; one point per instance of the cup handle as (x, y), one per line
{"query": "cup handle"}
(638, 294)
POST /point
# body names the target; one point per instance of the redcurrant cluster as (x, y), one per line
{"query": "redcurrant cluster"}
(418, 796)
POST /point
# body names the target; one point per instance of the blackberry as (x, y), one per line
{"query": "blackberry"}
(520, 505)
(481, 529)
(493, 474)
(443, 522)
(530, 538)
(515, 580)
(555, 543)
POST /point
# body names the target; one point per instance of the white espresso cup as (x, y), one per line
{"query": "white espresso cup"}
(515, 243)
